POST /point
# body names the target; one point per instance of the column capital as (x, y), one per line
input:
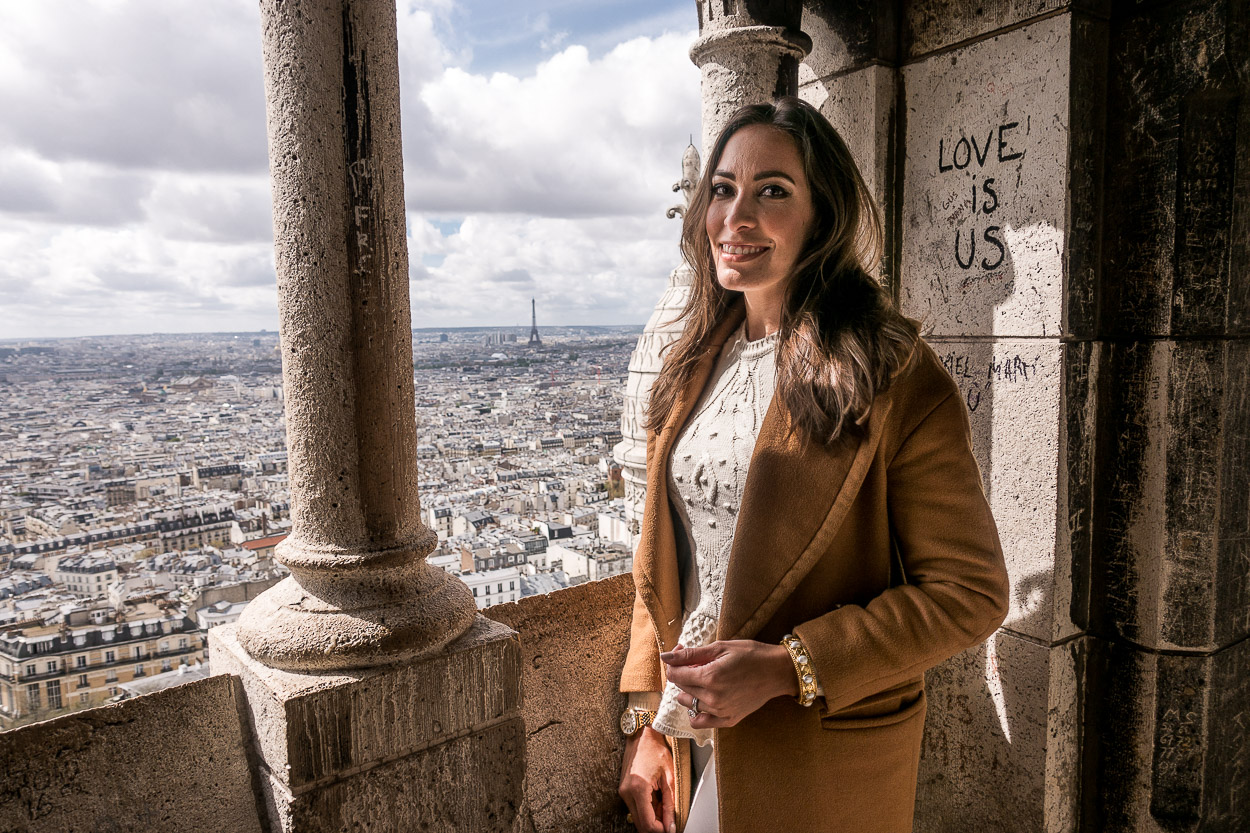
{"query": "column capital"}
(747, 55)
(781, 41)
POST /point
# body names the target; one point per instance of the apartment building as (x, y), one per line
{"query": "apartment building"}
(51, 668)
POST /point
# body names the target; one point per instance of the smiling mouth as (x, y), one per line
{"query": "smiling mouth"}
(736, 253)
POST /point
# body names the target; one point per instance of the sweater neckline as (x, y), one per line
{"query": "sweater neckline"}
(753, 350)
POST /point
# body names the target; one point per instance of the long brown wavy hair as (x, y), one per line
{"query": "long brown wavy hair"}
(842, 339)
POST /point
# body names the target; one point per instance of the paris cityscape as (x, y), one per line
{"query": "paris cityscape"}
(143, 488)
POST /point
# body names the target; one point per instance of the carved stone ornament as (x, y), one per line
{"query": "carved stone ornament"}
(685, 185)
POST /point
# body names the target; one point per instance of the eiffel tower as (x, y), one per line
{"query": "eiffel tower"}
(535, 341)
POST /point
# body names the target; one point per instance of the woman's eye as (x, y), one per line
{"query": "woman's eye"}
(774, 191)
(721, 189)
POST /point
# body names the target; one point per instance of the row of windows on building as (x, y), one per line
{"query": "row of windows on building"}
(500, 561)
(109, 656)
(499, 589)
(44, 646)
(34, 692)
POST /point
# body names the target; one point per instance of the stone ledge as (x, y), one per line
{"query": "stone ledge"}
(573, 645)
(172, 760)
(471, 783)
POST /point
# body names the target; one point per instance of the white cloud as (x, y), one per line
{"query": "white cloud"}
(586, 271)
(171, 84)
(134, 193)
(218, 208)
(579, 137)
(72, 280)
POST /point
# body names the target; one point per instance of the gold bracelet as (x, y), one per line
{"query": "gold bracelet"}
(802, 668)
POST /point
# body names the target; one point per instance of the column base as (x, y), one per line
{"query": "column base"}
(437, 744)
(289, 627)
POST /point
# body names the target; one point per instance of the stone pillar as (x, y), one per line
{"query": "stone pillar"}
(360, 591)
(1069, 196)
(377, 698)
(1168, 584)
(996, 222)
(851, 75)
(748, 52)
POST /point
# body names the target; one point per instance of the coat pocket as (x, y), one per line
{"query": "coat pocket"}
(885, 708)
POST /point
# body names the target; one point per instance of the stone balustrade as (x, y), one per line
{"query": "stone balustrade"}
(521, 736)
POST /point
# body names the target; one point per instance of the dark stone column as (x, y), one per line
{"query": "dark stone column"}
(1169, 581)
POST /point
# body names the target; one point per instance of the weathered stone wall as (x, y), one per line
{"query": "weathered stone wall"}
(573, 645)
(1169, 580)
(1065, 190)
(173, 760)
(962, 131)
(439, 744)
(985, 202)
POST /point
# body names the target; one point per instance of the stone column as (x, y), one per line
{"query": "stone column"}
(852, 76)
(1167, 591)
(377, 699)
(360, 591)
(748, 52)
(994, 234)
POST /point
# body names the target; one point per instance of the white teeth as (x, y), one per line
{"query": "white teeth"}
(741, 250)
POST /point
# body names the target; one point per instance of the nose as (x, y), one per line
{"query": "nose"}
(741, 214)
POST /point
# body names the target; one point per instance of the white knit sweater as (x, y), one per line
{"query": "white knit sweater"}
(707, 473)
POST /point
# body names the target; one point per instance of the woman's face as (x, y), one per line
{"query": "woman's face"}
(760, 214)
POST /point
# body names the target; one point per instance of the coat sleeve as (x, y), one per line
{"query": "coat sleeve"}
(642, 663)
(957, 589)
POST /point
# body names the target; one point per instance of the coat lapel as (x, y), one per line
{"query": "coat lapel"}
(656, 570)
(796, 496)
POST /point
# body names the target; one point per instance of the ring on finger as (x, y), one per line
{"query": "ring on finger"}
(694, 707)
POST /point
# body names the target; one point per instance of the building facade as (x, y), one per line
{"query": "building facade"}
(47, 670)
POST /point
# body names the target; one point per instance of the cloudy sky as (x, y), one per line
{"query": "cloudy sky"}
(541, 139)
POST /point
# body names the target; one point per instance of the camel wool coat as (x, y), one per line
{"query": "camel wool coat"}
(812, 555)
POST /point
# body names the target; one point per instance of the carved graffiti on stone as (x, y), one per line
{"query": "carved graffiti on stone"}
(976, 375)
(985, 185)
(968, 155)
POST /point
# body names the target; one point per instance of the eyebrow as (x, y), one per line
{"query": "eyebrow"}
(758, 176)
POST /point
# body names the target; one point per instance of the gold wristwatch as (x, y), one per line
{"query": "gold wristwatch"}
(632, 720)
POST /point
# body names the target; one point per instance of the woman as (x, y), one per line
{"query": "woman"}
(815, 534)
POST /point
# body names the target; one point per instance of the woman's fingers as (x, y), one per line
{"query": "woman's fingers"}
(647, 818)
(703, 720)
(690, 677)
(647, 781)
(687, 699)
(639, 798)
(697, 655)
(628, 793)
(668, 800)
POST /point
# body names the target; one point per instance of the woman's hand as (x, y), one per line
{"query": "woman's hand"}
(731, 679)
(648, 785)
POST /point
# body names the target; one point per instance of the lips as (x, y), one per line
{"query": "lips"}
(736, 252)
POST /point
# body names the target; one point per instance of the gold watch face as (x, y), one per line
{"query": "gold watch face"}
(629, 722)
